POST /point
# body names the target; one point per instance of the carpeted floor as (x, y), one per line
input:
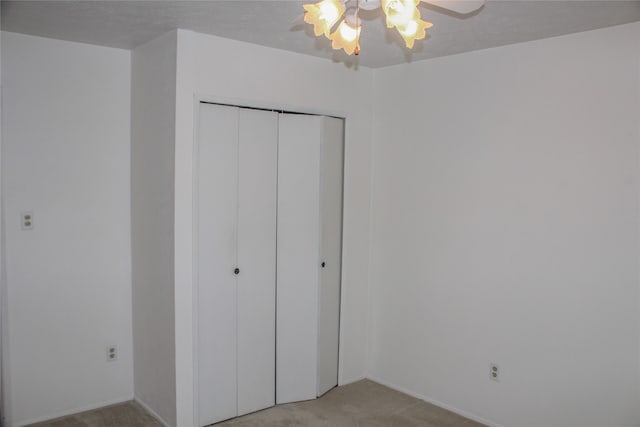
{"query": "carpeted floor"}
(128, 414)
(361, 404)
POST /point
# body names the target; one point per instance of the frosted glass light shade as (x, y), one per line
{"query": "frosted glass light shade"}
(416, 29)
(399, 12)
(346, 37)
(323, 15)
(405, 17)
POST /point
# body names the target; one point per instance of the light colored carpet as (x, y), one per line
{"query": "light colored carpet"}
(128, 414)
(361, 404)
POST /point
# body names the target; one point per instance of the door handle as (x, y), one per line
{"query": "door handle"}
(323, 264)
(236, 271)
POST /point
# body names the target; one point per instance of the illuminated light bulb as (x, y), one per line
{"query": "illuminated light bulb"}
(416, 29)
(347, 32)
(323, 15)
(399, 12)
(346, 37)
(410, 30)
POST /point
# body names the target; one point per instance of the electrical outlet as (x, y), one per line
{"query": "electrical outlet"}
(112, 353)
(26, 220)
(494, 372)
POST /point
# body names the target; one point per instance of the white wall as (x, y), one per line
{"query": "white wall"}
(240, 73)
(505, 220)
(3, 309)
(152, 203)
(66, 158)
(505, 229)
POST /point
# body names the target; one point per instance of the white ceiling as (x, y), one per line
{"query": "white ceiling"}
(126, 24)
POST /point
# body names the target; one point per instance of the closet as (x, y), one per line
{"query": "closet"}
(268, 237)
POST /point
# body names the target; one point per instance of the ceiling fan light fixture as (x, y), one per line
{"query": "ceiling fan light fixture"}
(404, 15)
(368, 4)
(399, 12)
(415, 29)
(346, 37)
(323, 15)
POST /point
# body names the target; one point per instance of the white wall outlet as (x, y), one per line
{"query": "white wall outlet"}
(494, 372)
(112, 353)
(26, 220)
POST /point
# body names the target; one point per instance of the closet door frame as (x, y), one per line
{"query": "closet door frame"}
(199, 99)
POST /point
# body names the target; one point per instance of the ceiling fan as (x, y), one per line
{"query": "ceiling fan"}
(339, 21)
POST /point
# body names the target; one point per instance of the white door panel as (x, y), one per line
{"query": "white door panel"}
(258, 139)
(331, 256)
(298, 257)
(216, 257)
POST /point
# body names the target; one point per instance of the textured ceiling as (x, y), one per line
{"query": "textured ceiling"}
(126, 24)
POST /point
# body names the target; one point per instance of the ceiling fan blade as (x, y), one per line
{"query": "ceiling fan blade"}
(462, 7)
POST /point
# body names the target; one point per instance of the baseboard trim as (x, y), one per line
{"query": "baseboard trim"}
(434, 402)
(72, 411)
(151, 411)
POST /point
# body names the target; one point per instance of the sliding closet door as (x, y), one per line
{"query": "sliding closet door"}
(331, 253)
(298, 256)
(258, 151)
(217, 164)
